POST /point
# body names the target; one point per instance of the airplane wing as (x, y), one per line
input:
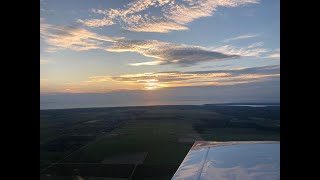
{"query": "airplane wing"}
(238, 160)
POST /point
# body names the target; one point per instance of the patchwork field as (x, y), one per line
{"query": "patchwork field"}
(141, 142)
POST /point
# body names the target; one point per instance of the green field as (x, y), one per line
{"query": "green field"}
(83, 142)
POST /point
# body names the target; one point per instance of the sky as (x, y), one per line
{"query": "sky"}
(154, 46)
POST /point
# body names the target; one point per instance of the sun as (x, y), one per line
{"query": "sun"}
(152, 84)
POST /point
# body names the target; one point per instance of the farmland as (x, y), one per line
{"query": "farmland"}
(141, 142)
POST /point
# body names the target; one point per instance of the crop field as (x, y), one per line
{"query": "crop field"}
(141, 142)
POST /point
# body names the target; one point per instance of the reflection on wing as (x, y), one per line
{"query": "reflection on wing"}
(239, 160)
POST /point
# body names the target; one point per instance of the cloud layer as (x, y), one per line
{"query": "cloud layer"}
(60, 37)
(276, 56)
(253, 50)
(71, 37)
(242, 37)
(172, 15)
(169, 53)
(78, 39)
(195, 78)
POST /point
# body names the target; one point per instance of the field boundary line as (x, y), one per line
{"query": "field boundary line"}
(64, 158)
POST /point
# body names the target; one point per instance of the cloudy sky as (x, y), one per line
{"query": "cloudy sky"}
(92, 46)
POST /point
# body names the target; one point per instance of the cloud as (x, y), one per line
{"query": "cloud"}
(149, 63)
(254, 50)
(97, 22)
(157, 26)
(71, 37)
(45, 61)
(168, 53)
(79, 39)
(219, 66)
(44, 80)
(276, 56)
(172, 15)
(54, 86)
(42, 61)
(196, 78)
(241, 37)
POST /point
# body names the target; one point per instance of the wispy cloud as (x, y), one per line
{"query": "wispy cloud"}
(254, 50)
(169, 53)
(149, 63)
(42, 61)
(241, 37)
(163, 53)
(276, 56)
(71, 37)
(216, 66)
(52, 86)
(173, 15)
(195, 78)
(79, 39)
(97, 22)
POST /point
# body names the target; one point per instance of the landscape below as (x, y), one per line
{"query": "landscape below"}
(143, 142)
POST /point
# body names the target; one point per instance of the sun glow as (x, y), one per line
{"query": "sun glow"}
(152, 84)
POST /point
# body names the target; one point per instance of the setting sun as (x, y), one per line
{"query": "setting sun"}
(152, 84)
